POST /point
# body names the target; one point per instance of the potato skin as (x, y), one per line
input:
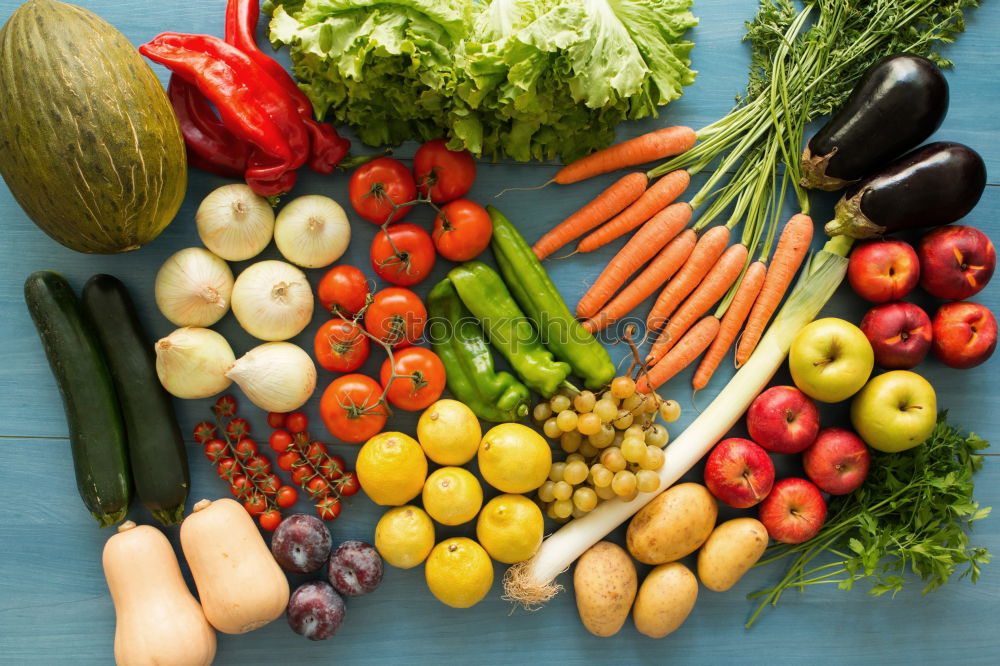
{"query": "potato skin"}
(605, 584)
(673, 525)
(733, 547)
(665, 599)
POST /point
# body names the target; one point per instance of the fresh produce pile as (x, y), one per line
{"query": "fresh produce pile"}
(888, 492)
(528, 79)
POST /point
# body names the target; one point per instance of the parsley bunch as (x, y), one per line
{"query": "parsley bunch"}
(913, 512)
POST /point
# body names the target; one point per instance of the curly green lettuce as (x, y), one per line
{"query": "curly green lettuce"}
(528, 79)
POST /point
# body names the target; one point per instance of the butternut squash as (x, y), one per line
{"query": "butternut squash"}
(240, 585)
(158, 620)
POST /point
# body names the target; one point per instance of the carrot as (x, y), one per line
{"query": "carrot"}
(731, 323)
(708, 250)
(792, 248)
(661, 194)
(711, 290)
(659, 270)
(684, 352)
(653, 235)
(608, 203)
(646, 148)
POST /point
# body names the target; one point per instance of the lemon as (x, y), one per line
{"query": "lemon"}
(391, 468)
(449, 432)
(404, 536)
(513, 458)
(459, 572)
(510, 528)
(452, 495)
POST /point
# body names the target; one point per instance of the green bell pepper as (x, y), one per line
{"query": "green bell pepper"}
(458, 340)
(484, 293)
(532, 288)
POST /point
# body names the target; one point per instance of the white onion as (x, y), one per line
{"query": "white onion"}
(192, 363)
(234, 222)
(312, 231)
(275, 376)
(193, 287)
(272, 300)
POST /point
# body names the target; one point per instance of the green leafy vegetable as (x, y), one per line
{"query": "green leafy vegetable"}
(913, 512)
(529, 79)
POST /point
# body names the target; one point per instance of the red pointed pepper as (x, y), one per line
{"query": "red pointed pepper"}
(252, 106)
(327, 147)
(210, 146)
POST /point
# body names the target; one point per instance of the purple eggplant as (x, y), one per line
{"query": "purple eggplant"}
(896, 105)
(931, 186)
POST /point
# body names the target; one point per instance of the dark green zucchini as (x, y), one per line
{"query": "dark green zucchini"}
(155, 445)
(96, 433)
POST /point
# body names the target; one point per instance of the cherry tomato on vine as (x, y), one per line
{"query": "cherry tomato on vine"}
(316, 451)
(203, 432)
(239, 485)
(301, 474)
(396, 316)
(287, 496)
(296, 422)
(349, 484)
(328, 508)
(351, 408)
(419, 378)
(318, 487)
(276, 419)
(377, 186)
(270, 484)
(215, 449)
(341, 346)
(402, 254)
(332, 468)
(462, 230)
(448, 173)
(270, 519)
(288, 459)
(255, 504)
(226, 468)
(238, 428)
(245, 448)
(259, 466)
(279, 442)
(343, 289)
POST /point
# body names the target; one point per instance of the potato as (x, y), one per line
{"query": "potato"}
(673, 525)
(665, 599)
(604, 582)
(730, 551)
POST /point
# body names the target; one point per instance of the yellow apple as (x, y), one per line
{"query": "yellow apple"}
(895, 411)
(830, 359)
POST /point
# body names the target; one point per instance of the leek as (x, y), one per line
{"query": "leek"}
(532, 582)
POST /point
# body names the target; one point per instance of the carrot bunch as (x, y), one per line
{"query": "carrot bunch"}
(695, 268)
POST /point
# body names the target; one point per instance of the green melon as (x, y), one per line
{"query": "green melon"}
(89, 145)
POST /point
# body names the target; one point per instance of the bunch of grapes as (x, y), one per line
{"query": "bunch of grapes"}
(613, 442)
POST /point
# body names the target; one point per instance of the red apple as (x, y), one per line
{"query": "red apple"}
(956, 262)
(883, 270)
(900, 334)
(739, 473)
(965, 334)
(783, 419)
(837, 461)
(794, 511)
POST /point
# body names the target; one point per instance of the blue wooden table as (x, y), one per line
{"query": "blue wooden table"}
(54, 605)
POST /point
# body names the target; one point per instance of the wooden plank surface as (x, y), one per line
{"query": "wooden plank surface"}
(54, 606)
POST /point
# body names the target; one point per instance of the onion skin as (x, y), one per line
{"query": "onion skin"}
(898, 103)
(931, 186)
